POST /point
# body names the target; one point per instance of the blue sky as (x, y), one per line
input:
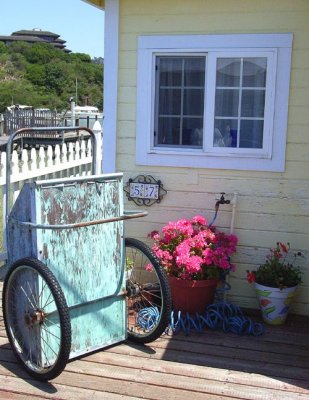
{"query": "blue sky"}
(80, 24)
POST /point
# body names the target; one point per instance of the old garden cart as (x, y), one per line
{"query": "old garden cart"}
(74, 284)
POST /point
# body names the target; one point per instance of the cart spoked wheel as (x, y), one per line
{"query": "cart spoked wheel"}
(36, 318)
(148, 293)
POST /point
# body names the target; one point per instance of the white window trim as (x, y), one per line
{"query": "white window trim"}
(280, 45)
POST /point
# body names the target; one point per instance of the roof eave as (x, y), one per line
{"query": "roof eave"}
(97, 3)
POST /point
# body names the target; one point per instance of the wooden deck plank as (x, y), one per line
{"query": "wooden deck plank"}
(230, 352)
(208, 366)
(16, 388)
(193, 384)
(6, 395)
(100, 376)
(110, 363)
(257, 367)
(174, 368)
(111, 388)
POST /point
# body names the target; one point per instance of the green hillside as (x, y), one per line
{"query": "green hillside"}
(40, 75)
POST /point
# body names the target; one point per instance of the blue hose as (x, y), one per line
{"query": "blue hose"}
(218, 316)
(148, 317)
(213, 220)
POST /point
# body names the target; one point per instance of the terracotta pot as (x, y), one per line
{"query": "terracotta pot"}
(274, 303)
(192, 296)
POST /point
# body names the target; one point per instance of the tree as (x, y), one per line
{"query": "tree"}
(43, 76)
(3, 48)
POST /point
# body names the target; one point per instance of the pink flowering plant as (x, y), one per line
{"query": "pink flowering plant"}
(279, 270)
(190, 250)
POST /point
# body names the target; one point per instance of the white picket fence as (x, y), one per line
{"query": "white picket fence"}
(59, 161)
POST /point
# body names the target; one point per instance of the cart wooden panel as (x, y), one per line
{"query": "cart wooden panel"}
(86, 260)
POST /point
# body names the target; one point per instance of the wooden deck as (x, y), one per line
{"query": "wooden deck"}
(209, 366)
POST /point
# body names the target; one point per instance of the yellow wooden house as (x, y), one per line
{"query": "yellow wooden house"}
(213, 96)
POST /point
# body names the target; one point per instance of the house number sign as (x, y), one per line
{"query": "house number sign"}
(144, 190)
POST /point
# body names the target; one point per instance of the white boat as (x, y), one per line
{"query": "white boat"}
(87, 110)
(83, 115)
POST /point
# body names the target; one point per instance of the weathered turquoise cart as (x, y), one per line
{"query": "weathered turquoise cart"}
(74, 285)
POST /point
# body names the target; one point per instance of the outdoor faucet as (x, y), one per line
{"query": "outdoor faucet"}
(221, 201)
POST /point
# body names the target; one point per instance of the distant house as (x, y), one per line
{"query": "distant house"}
(210, 97)
(36, 36)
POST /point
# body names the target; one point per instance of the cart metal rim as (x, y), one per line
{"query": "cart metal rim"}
(32, 319)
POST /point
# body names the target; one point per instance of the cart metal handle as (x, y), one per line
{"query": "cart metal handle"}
(37, 132)
(125, 216)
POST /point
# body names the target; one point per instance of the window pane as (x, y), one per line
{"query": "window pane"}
(192, 130)
(228, 72)
(193, 102)
(254, 72)
(225, 133)
(226, 103)
(179, 100)
(194, 71)
(169, 131)
(251, 134)
(252, 103)
(170, 71)
(170, 102)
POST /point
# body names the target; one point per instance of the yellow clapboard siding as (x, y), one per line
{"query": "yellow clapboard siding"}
(127, 95)
(296, 133)
(300, 59)
(128, 58)
(271, 206)
(134, 7)
(250, 195)
(300, 78)
(299, 113)
(127, 77)
(127, 112)
(298, 152)
(297, 170)
(297, 224)
(214, 22)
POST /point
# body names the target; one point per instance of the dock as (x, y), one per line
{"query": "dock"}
(210, 366)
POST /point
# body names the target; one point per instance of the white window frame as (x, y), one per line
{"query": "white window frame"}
(276, 47)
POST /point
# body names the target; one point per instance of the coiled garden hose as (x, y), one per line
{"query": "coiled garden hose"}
(218, 316)
(148, 317)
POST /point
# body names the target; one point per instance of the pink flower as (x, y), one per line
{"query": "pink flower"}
(198, 219)
(149, 268)
(153, 234)
(189, 249)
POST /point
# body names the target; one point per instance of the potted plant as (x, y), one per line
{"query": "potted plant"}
(194, 256)
(276, 282)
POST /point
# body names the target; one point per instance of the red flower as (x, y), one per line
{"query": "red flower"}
(250, 276)
(283, 247)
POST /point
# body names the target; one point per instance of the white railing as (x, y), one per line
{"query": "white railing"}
(59, 161)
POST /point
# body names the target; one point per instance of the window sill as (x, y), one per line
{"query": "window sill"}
(193, 159)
